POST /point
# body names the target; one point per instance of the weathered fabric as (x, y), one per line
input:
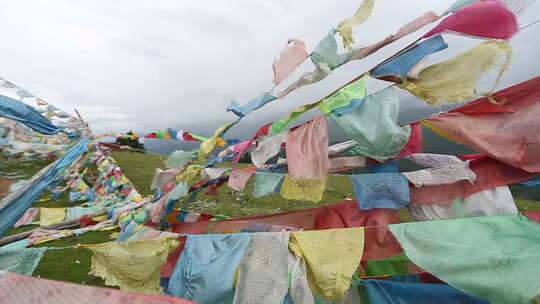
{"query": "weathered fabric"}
(307, 156)
(282, 124)
(263, 271)
(208, 145)
(25, 114)
(486, 19)
(489, 174)
(267, 183)
(289, 59)
(441, 175)
(500, 272)
(326, 52)
(513, 123)
(76, 212)
(13, 206)
(434, 160)
(28, 217)
(132, 265)
(353, 93)
(378, 136)
(49, 216)
(339, 148)
(489, 202)
(163, 177)
(213, 173)
(179, 158)
(343, 163)
(20, 260)
(239, 178)
(322, 70)
(389, 292)
(189, 173)
(268, 147)
(328, 276)
(250, 106)
(204, 273)
(381, 190)
(397, 68)
(360, 16)
(456, 79)
(21, 289)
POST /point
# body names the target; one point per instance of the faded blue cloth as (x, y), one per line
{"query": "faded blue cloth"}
(326, 52)
(532, 182)
(267, 183)
(403, 63)
(233, 141)
(217, 159)
(25, 114)
(381, 190)
(22, 260)
(386, 167)
(389, 292)
(251, 105)
(13, 209)
(205, 270)
(76, 212)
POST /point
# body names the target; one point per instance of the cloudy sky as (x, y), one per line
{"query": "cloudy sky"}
(147, 65)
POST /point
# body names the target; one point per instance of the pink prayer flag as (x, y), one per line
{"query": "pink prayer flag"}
(416, 24)
(307, 150)
(290, 58)
(16, 288)
(508, 132)
(239, 178)
(487, 19)
(239, 150)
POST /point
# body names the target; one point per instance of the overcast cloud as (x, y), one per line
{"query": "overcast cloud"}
(147, 65)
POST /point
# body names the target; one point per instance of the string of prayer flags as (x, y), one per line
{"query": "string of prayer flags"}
(307, 156)
(456, 79)
(398, 68)
(251, 106)
(485, 19)
(289, 59)
(281, 124)
(512, 120)
(378, 136)
(360, 16)
(25, 114)
(405, 30)
(188, 136)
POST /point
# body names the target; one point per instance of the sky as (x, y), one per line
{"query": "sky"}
(150, 65)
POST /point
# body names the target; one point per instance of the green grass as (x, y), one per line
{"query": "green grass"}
(73, 264)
